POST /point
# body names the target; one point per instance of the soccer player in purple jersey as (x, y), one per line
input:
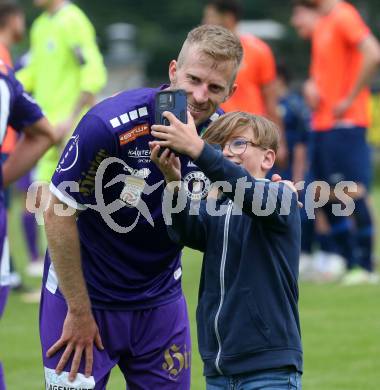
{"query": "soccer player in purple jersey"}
(112, 276)
(23, 114)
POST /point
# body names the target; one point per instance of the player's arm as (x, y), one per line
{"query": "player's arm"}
(357, 36)
(270, 96)
(252, 194)
(299, 162)
(33, 143)
(80, 331)
(370, 49)
(26, 116)
(184, 227)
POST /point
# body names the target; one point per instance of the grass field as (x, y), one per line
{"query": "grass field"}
(340, 330)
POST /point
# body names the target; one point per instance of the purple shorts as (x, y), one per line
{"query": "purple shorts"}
(151, 347)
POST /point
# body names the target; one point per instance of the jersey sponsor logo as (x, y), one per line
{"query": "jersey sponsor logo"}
(70, 158)
(177, 359)
(137, 153)
(197, 185)
(87, 181)
(136, 132)
(134, 186)
(143, 173)
(141, 155)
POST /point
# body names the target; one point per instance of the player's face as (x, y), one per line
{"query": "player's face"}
(207, 82)
(18, 27)
(304, 20)
(254, 159)
(42, 3)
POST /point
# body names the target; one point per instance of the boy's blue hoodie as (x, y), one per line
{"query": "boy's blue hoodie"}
(247, 312)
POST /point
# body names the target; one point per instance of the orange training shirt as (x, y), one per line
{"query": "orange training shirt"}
(257, 69)
(335, 64)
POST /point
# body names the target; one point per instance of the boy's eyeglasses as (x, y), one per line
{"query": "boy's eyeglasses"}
(239, 146)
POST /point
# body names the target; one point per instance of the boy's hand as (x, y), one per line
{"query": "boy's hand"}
(167, 162)
(277, 178)
(178, 136)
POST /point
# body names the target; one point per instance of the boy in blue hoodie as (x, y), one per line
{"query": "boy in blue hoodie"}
(247, 315)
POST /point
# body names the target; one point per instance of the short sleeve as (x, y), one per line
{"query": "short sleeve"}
(351, 25)
(73, 181)
(24, 111)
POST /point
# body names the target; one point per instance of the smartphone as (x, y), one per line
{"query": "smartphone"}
(174, 101)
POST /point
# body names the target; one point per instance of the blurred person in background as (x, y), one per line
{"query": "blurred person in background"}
(322, 262)
(256, 80)
(64, 73)
(12, 30)
(23, 114)
(295, 116)
(345, 56)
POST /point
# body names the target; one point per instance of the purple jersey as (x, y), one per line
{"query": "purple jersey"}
(19, 110)
(128, 260)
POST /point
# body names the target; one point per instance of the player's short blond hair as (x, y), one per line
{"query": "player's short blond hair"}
(214, 41)
(265, 133)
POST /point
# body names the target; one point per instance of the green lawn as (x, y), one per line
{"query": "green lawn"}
(340, 329)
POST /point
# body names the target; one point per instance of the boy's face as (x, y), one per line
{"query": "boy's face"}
(206, 81)
(256, 160)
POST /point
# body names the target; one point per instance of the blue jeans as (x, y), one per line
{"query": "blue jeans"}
(279, 379)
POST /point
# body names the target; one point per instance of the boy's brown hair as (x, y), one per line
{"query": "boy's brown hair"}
(265, 132)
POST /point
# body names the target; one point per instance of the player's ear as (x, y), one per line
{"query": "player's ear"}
(232, 90)
(173, 70)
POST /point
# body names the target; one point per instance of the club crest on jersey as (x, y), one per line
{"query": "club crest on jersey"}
(132, 134)
(197, 185)
(70, 157)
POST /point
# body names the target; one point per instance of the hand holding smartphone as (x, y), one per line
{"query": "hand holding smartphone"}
(175, 101)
